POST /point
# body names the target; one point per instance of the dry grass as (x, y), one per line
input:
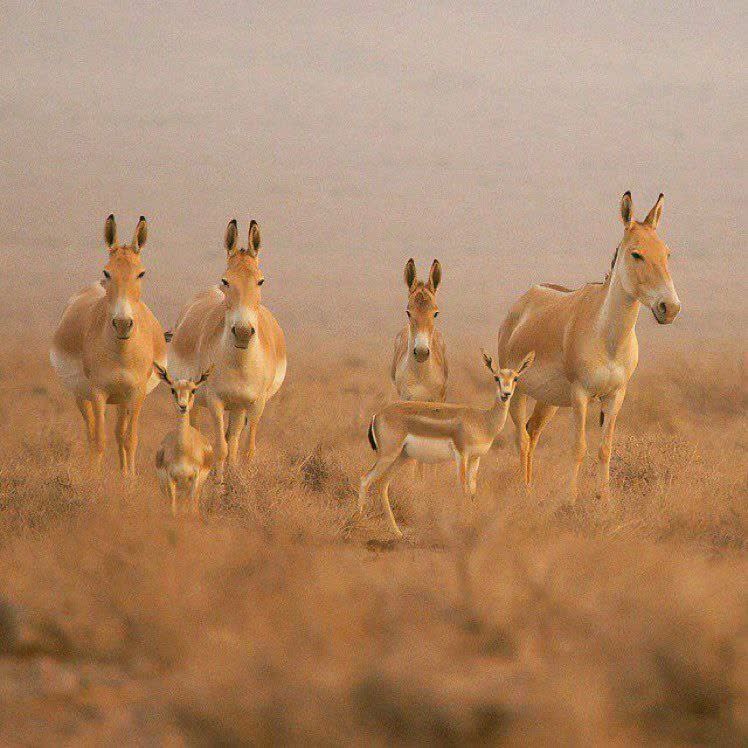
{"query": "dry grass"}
(279, 617)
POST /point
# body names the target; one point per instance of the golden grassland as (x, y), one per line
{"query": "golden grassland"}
(280, 616)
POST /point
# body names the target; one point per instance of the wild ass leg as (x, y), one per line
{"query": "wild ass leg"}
(473, 475)
(541, 415)
(579, 408)
(237, 419)
(132, 432)
(215, 406)
(253, 420)
(611, 405)
(518, 411)
(98, 408)
(120, 433)
(84, 406)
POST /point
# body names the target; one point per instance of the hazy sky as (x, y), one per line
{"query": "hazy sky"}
(498, 139)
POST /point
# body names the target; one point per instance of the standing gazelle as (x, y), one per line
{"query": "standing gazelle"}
(185, 457)
(228, 327)
(419, 364)
(105, 345)
(585, 341)
(437, 432)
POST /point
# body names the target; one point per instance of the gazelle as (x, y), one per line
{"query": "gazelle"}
(105, 345)
(419, 365)
(185, 457)
(585, 341)
(437, 432)
(228, 327)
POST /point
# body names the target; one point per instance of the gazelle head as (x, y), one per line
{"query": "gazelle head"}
(642, 260)
(422, 310)
(122, 275)
(506, 379)
(241, 284)
(182, 389)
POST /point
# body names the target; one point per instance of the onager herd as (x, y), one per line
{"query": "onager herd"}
(560, 347)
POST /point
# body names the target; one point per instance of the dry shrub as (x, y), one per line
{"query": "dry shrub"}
(280, 616)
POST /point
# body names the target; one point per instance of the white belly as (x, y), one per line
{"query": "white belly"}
(428, 449)
(70, 371)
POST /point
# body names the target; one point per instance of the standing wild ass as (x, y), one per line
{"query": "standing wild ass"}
(419, 365)
(105, 345)
(228, 328)
(585, 341)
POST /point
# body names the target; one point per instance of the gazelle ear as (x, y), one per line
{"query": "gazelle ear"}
(141, 234)
(162, 372)
(205, 375)
(410, 273)
(627, 208)
(435, 275)
(488, 361)
(526, 362)
(110, 231)
(230, 238)
(654, 215)
(253, 240)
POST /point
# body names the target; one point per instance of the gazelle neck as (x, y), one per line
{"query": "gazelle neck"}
(183, 427)
(496, 416)
(619, 311)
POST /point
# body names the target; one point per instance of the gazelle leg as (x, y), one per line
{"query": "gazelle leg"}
(194, 495)
(372, 475)
(518, 412)
(98, 407)
(579, 409)
(215, 406)
(123, 418)
(84, 406)
(171, 489)
(611, 405)
(385, 496)
(132, 432)
(541, 415)
(462, 472)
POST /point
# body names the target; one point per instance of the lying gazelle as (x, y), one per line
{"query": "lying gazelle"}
(437, 432)
(586, 342)
(229, 327)
(185, 456)
(419, 364)
(104, 347)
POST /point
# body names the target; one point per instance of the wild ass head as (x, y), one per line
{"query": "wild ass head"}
(241, 284)
(642, 262)
(122, 275)
(422, 310)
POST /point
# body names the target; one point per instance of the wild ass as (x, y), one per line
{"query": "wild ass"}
(227, 326)
(105, 345)
(185, 457)
(419, 365)
(437, 432)
(585, 341)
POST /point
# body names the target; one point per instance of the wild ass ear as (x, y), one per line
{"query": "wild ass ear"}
(526, 362)
(253, 240)
(141, 234)
(627, 208)
(205, 375)
(654, 215)
(410, 274)
(435, 275)
(488, 361)
(162, 372)
(230, 238)
(110, 231)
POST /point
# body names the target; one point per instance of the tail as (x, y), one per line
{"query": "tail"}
(372, 438)
(168, 335)
(602, 417)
